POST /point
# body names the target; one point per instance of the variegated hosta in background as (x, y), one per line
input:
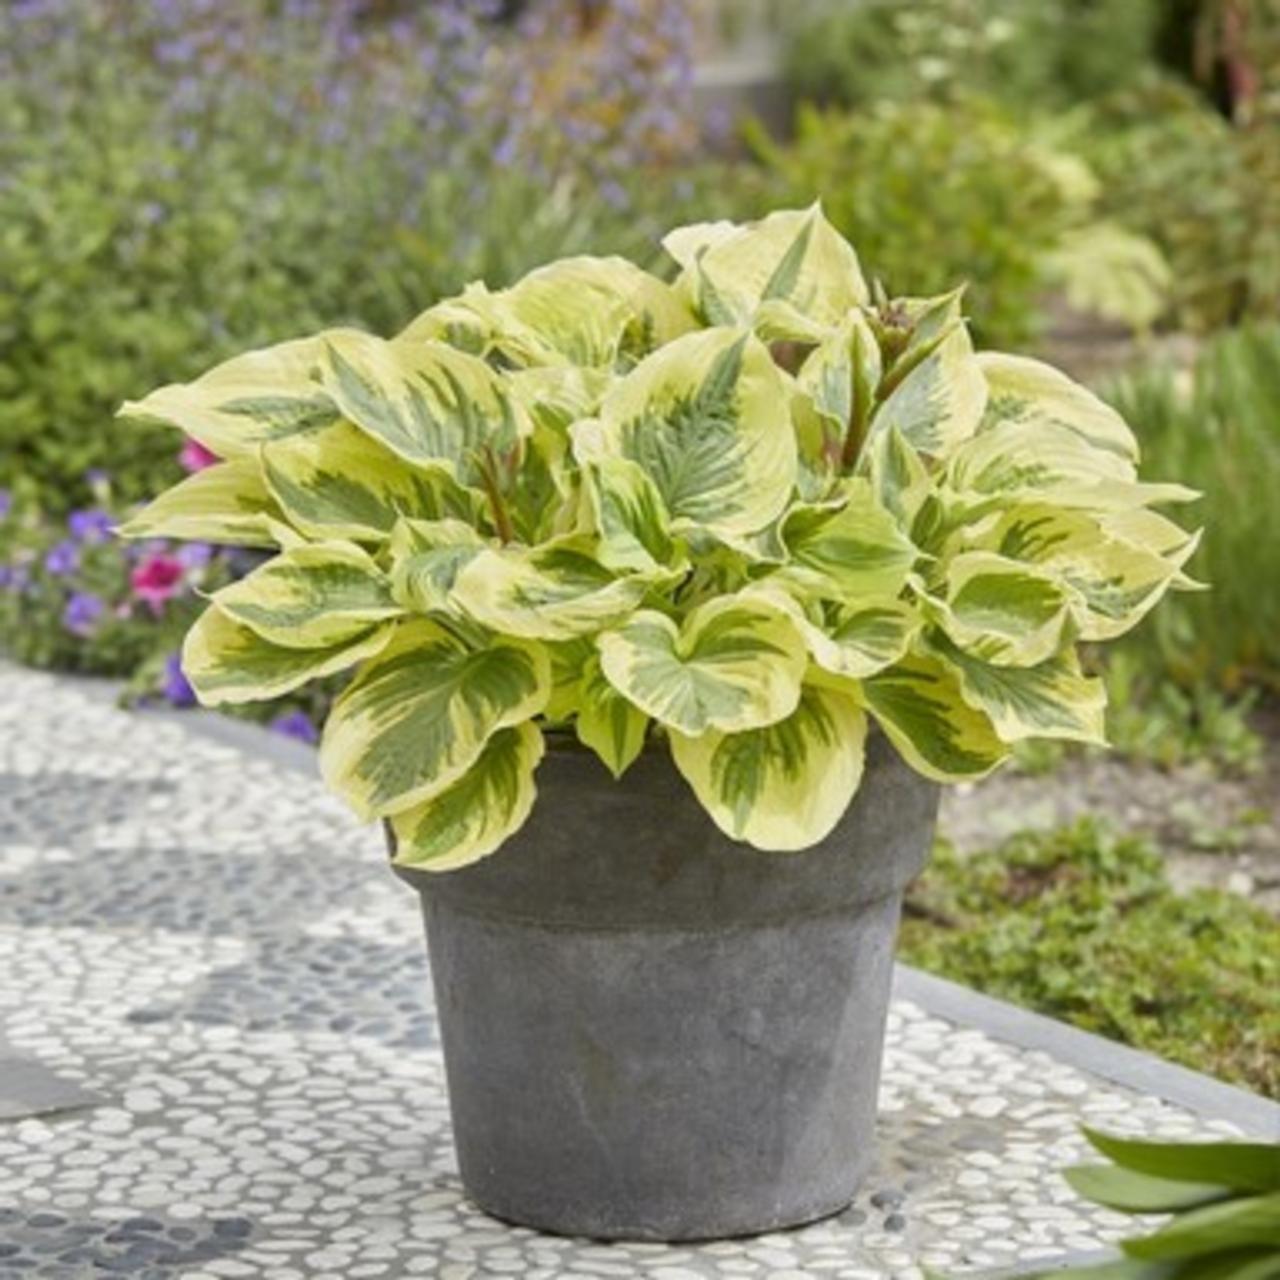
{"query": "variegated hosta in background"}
(737, 516)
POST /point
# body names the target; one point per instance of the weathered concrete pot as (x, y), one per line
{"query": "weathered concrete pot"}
(652, 1032)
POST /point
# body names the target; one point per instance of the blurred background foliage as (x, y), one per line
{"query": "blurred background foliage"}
(182, 179)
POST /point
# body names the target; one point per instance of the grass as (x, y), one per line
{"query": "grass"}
(1217, 430)
(1082, 924)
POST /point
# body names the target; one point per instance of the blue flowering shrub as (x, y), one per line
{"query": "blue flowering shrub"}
(180, 179)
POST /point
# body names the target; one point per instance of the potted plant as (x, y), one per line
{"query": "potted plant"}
(734, 570)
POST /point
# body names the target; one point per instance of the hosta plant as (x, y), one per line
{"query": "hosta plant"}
(738, 517)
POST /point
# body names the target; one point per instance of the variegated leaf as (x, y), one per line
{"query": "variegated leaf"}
(426, 556)
(793, 256)
(608, 723)
(1053, 699)
(937, 406)
(1029, 391)
(851, 552)
(425, 401)
(228, 663)
(899, 478)
(556, 396)
(226, 503)
(465, 322)
(919, 705)
(785, 786)
(246, 401)
(415, 719)
(735, 664)
(340, 483)
(311, 596)
(1003, 611)
(856, 641)
(545, 593)
(472, 817)
(701, 417)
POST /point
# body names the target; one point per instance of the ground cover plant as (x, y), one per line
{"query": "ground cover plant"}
(1083, 925)
(742, 512)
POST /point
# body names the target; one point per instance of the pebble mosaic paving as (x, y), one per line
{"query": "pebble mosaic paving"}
(209, 946)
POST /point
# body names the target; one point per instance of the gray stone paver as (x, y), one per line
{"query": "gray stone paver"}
(212, 946)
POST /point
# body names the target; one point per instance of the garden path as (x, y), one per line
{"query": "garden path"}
(218, 1055)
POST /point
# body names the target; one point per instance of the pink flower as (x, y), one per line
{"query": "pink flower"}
(157, 579)
(193, 456)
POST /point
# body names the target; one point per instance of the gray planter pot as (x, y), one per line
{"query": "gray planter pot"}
(652, 1032)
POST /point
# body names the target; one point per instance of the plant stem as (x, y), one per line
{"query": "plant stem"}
(489, 477)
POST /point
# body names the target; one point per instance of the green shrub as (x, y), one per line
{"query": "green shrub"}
(1030, 54)
(1083, 925)
(1205, 190)
(180, 181)
(1218, 428)
(935, 196)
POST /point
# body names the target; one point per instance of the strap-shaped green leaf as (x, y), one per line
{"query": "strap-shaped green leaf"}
(782, 787)
(1242, 1166)
(850, 552)
(1026, 390)
(425, 401)
(472, 817)
(614, 728)
(919, 705)
(1213, 1229)
(228, 663)
(311, 596)
(735, 664)
(227, 503)
(415, 719)
(339, 483)
(1140, 1192)
(706, 419)
(246, 401)
(544, 593)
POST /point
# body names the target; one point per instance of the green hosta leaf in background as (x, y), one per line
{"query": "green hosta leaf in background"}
(415, 719)
(228, 663)
(427, 402)
(792, 257)
(735, 664)
(1001, 611)
(1213, 1229)
(849, 552)
(1033, 393)
(705, 418)
(544, 593)
(1140, 1192)
(338, 483)
(426, 556)
(311, 596)
(938, 405)
(612, 727)
(471, 817)
(919, 705)
(1052, 699)
(226, 503)
(782, 787)
(246, 401)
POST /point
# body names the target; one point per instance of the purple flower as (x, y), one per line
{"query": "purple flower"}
(174, 685)
(96, 477)
(6, 503)
(83, 610)
(295, 724)
(91, 525)
(62, 559)
(194, 555)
